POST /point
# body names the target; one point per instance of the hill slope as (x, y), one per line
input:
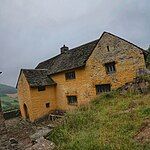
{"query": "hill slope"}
(110, 122)
(5, 89)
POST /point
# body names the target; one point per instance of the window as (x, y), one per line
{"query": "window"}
(108, 48)
(102, 88)
(41, 88)
(110, 67)
(72, 100)
(70, 75)
(47, 105)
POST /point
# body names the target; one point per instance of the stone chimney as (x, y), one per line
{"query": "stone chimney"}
(64, 49)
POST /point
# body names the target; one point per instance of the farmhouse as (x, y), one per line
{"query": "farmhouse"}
(77, 75)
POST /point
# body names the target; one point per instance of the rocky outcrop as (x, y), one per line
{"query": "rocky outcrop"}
(42, 144)
(140, 84)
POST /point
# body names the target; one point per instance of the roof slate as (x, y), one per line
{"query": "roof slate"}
(38, 77)
(72, 59)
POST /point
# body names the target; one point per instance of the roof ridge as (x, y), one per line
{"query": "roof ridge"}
(71, 50)
(34, 69)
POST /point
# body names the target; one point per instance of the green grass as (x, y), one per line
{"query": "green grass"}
(103, 124)
(9, 103)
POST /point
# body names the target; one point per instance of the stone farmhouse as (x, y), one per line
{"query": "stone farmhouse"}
(76, 76)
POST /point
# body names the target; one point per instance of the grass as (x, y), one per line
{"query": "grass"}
(104, 124)
(9, 103)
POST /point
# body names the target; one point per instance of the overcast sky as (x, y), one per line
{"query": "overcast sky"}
(34, 30)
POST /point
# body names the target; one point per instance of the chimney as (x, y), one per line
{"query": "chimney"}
(64, 49)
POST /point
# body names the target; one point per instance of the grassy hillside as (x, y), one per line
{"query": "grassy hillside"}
(9, 103)
(5, 89)
(110, 122)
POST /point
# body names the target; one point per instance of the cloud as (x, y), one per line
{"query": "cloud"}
(34, 30)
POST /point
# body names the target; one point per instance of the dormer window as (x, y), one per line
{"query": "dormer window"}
(110, 67)
(70, 75)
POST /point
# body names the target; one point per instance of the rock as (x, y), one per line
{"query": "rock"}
(13, 141)
(42, 144)
(138, 85)
(51, 126)
(40, 133)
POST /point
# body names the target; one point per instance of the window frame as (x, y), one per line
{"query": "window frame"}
(110, 67)
(47, 104)
(72, 103)
(70, 75)
(102, 88)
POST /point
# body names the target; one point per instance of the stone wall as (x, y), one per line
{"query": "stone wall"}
(128, 59)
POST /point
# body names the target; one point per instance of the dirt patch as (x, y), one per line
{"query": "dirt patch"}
(144, 133)
(20, 130)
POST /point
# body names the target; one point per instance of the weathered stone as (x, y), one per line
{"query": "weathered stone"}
(42, 144)
(138, 85)
(13, 141)
(40, 133)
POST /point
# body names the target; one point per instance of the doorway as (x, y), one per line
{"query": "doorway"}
(26, 111)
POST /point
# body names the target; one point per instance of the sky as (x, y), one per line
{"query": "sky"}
(32, 31)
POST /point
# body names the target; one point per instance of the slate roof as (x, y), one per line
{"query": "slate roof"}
(72, 59)
(38, 77)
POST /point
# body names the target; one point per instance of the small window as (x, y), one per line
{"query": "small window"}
(70, 75)
(102, 88)
(47, 105)
(41, 88)
(108, 48)
(72, 100)
(110, 67)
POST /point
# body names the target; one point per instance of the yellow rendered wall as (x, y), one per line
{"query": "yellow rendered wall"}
(39, 100)
(35, 100)
(72, 87)
(24, 95)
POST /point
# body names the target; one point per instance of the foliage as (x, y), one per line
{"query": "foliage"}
(101, 125)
